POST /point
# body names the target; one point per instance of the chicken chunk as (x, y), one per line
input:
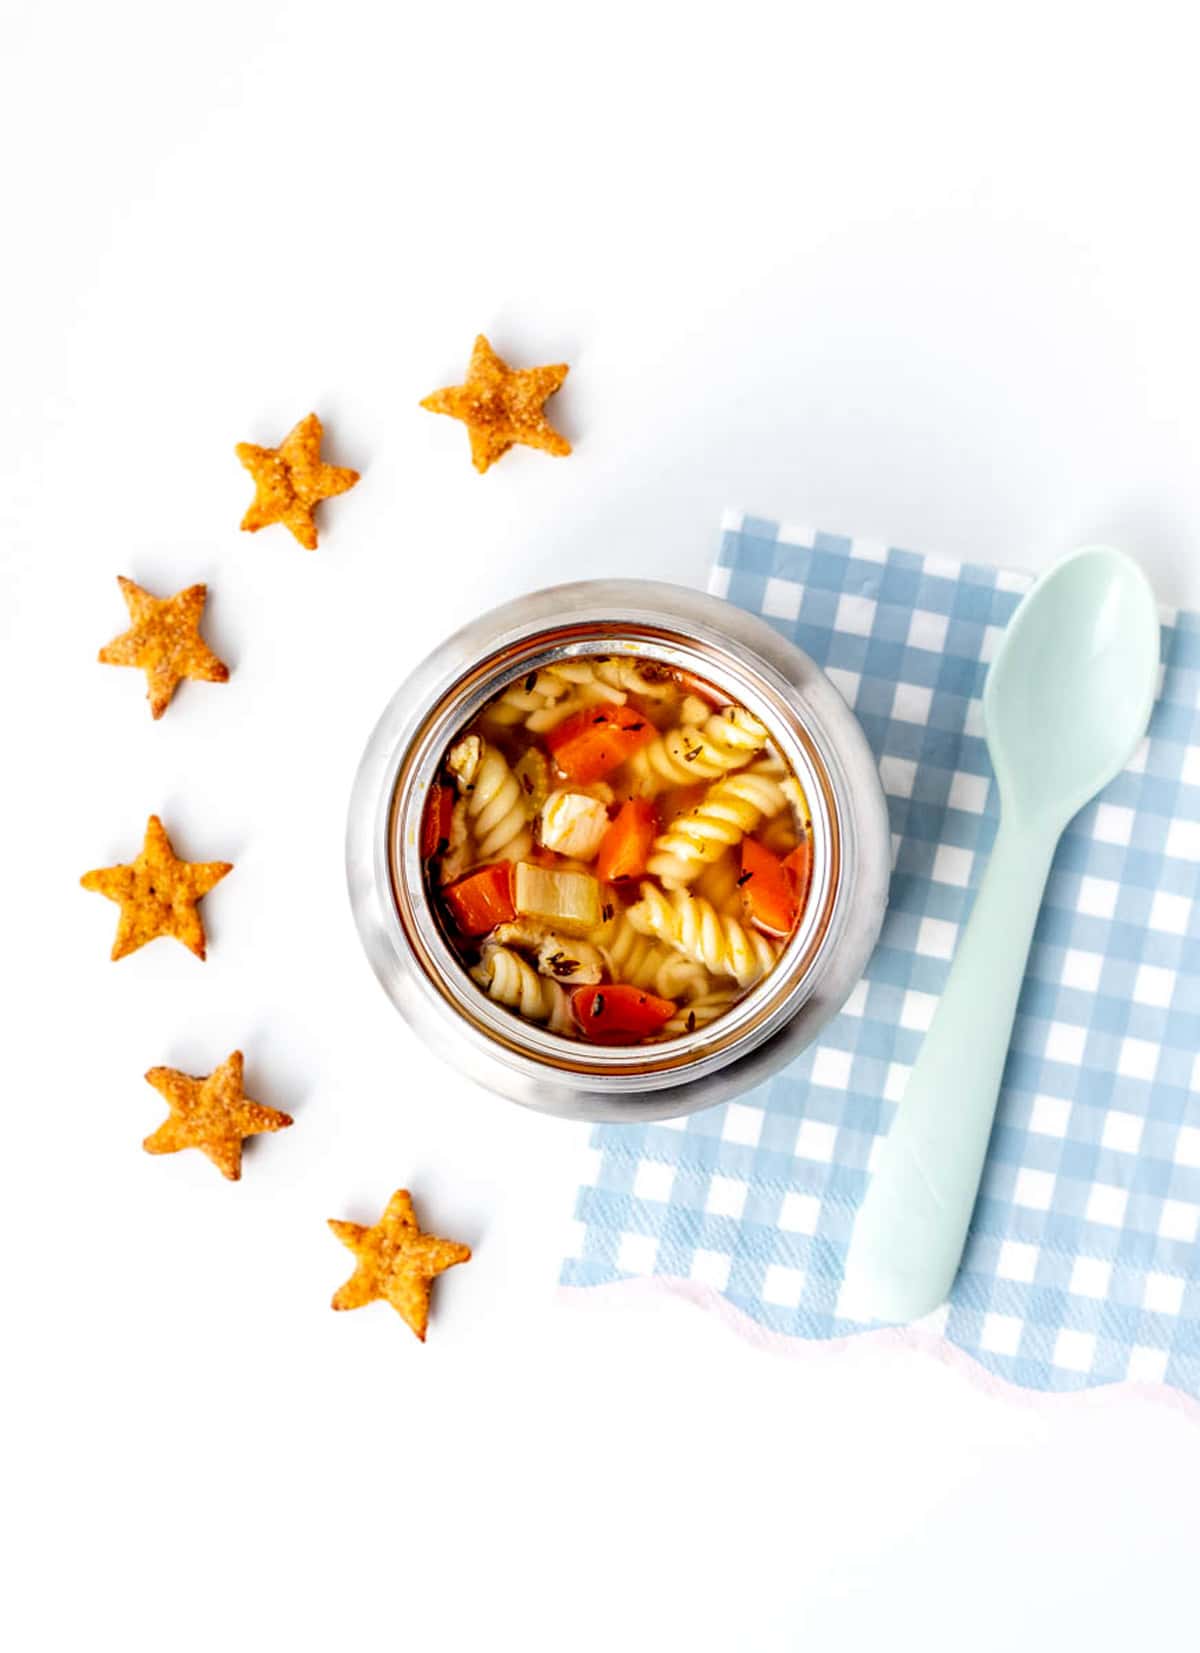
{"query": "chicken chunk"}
(573, 824)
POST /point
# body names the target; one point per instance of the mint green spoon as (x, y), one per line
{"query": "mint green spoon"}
(1066, 703)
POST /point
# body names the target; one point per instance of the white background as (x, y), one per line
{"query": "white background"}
(927, 274)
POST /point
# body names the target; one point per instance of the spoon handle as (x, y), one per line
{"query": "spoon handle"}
(910, 1233)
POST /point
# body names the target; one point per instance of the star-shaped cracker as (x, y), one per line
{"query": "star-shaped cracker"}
(213, 1114)
(158, 893)
(396, 1262)
(501, 405)
(165, 641)
(290, 481)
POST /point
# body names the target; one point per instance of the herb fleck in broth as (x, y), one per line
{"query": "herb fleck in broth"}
(617, 851)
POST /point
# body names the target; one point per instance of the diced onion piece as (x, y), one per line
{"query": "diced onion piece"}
(568, 901)
(573, 824)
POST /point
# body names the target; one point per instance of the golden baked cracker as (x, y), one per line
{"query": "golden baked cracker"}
(212, 1114)
(396, 1262)
(291, 480)
(164, 641)
(501, 405)
(158, 893)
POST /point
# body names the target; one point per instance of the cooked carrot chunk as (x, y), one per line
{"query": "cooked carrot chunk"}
(619, 1014)
(799, 868)
(767, 891)
(482, 899)
(625, 847)
(597, 740)
(435, 823)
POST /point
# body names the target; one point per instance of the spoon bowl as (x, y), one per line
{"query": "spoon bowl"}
(1070, 693)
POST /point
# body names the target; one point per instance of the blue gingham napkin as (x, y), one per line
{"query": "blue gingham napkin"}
(1083, 1264)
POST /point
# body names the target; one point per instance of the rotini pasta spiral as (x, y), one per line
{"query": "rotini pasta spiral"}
(730, 809)
(727, 740)
(651, 965)
(700, 1012)
(771, 762)
(620, 673)
(541, 721)
(497, 808)
(718, 883)
(719, 942)
(550, 695)
(506, 977)
(545, 697)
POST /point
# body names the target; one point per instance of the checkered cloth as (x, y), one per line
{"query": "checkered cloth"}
(1083, 1264)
